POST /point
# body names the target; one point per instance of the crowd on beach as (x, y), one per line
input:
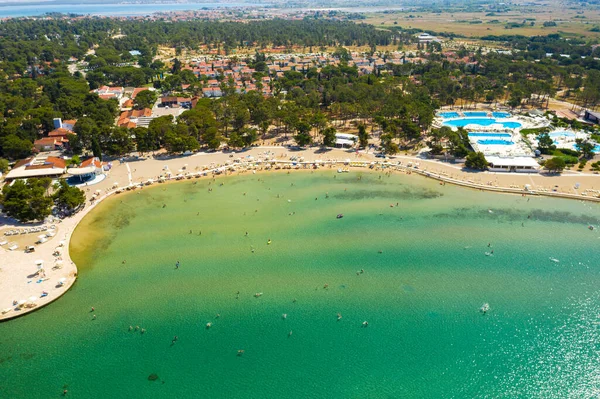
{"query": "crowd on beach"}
(153, 171)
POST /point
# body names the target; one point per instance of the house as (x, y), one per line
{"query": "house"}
(184, 102)
(592, 116)
(48, 144)
(39, 166)
(67, 124)
(129, 119)
(137, 91)
(212, 92)
(107, 93)
(61, 132)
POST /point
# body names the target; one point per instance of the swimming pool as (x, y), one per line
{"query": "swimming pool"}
(561, 134)
(475, 114)
(596, 149)
(448, 115)
(494, 142)
(462, 122)
(489, 134)
(501, 114)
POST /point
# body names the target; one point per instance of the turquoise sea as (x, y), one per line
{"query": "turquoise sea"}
(425, 274)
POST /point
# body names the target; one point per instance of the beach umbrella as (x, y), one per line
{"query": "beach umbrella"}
(59, 262)
(98, 191)
(41, 236)
(22, 302)
(33, 298)
(115, 183)
(39, 262)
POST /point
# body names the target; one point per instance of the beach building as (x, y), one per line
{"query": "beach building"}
(345, 140)
(512, 164)
(40, 166)
(88, 170)
(592, 116)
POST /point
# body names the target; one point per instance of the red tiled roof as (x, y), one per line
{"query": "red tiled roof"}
(137, 91)
(60, 132)
(57, 162)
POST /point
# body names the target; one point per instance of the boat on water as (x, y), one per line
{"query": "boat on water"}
(339, 216)
(257, 294)
(485, 308)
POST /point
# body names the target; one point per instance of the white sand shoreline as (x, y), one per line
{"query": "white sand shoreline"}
(17, 265)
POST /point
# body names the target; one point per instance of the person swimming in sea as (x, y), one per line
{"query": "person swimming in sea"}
(177, 265)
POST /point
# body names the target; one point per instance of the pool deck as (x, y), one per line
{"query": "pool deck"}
(17, 265)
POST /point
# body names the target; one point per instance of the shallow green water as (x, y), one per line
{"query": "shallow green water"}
(425, 276)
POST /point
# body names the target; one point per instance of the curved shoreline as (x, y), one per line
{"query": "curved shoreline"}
(263, 166)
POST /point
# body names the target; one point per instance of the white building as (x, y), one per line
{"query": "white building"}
(343, 139)
(513, 164)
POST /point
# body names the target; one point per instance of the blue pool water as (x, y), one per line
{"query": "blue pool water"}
(596, 148)
(475, 114)
(561, 134)
(462, 122)
(449, 115)
(495, 142)
(501, 114)
(490, 134)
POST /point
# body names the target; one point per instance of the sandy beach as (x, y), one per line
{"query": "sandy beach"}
(17, 272)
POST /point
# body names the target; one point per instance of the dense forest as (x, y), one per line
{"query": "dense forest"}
(397, 101)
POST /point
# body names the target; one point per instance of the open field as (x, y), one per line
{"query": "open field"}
(569, 21)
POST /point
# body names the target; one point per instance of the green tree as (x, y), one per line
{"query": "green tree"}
(329, 137)
(68, 198)
(555, 165)
(145, 99)
(3, 165)
(96, 150)
(303, 138)
(14, 147)
(363, 136)
(586, 148)
(388, 145)
(545, 143)
(476, 160)
(27, 201)
(119, 142)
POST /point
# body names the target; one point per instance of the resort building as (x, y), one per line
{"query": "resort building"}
(40, 166)
(515, 164)
(592, 116)
(345, 140)
(88, 170)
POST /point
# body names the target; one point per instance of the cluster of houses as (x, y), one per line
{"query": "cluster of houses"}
(57, 139)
